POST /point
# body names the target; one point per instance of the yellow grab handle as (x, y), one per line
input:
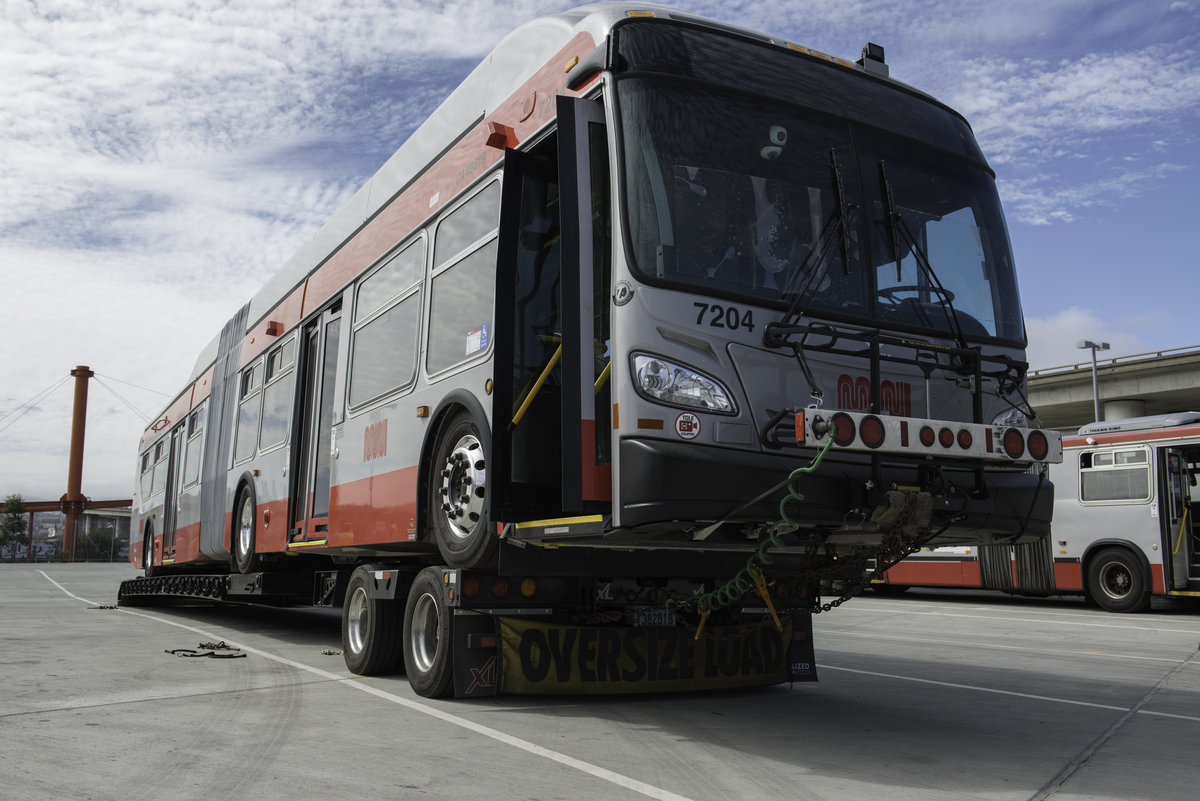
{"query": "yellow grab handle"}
(537, 386)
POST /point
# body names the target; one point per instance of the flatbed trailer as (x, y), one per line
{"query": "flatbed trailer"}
(636, 353)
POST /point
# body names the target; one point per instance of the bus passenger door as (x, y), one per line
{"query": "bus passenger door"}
(587, 270)
(1177, 518)
(312, 445)
(171, 498)
(524, 471)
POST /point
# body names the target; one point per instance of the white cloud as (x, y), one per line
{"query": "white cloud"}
(1052, 339)
(1028, 112)
(1043, 200)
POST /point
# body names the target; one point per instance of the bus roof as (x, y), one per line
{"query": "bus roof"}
(1141, 423)
(510, 64)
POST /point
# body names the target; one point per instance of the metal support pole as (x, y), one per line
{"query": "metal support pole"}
(73, 501)
(1095, 387)
(29, 540)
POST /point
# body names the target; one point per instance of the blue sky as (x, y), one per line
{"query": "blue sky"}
(159, 161)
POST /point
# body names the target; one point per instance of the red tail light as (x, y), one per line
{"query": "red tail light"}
(1039, 446)
(927, 436)
(946, 437)
(872, 432)
(965, 439)
(471, 587)
(843, 429)
(499, 588)
(1014, 443)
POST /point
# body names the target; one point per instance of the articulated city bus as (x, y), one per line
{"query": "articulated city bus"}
(563, 352)
(1124, 525)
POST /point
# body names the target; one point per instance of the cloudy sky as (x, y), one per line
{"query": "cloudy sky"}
(160, 160)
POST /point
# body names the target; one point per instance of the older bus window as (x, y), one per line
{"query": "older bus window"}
(191, 463)
(392, 279)
(468, 224)
(1120, 476)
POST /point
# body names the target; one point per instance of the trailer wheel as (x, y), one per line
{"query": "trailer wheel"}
(457, 500)
(1117, 582)
(427, 636)
(370, 628)
(244, 524)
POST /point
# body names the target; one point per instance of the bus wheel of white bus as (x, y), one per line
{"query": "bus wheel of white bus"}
(1117, 582)
(458, 496)
(427, 636)
(244, 523)
(370, 628)
(148, 568)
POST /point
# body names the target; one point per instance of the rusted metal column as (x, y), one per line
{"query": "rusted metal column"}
(29, 545)
(73, 501)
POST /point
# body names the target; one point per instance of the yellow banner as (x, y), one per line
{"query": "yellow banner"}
(549, 658)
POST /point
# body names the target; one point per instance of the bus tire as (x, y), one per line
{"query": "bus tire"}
(370, 628)
(427, 636)
(457, 498)
(244, 531)
(148, 568)
(1117, 582)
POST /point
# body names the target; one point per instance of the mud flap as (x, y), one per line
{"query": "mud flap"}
(800, 653)
(475, 655)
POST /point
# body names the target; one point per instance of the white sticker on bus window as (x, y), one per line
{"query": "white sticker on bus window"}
(477, 339)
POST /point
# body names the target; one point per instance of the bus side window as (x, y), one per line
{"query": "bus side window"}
(277, 397)
(461, 295)
(247, 426)
(147, 475)
(1114, 477)
(159, 481)
(191, 462)
(384, 353)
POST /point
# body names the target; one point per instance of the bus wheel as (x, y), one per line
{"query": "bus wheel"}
(1116, 582)
(244, 557)
(427, 636)
(370, 628)
(148, 568)
(458, 497)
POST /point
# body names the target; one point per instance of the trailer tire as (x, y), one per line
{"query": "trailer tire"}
(1117, 582)
(457, 496)
(370, 628)
(244, 531)
(427, 645)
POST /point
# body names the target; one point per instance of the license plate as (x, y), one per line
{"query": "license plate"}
(653, 617)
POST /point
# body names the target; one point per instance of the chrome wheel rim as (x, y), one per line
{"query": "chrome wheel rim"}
(357, 619)
(246, 527)
(424, 637)
(1116, 581)
(464, 486)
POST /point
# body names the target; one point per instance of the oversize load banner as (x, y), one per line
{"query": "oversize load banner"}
(549, 658)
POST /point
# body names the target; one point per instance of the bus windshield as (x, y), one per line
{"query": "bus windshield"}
(729, 194)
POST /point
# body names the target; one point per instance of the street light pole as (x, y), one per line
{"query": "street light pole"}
(1087, 344)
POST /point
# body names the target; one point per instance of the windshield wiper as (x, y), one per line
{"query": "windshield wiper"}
(898, 226)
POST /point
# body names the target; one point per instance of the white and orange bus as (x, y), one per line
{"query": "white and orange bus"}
(1124, 529)
(558, 356)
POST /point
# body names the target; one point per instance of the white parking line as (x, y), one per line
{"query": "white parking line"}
(1008, 692)
(963, 644)
(516, 742)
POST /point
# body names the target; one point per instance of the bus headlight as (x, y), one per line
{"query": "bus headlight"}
(1011, 419)
(666, 382)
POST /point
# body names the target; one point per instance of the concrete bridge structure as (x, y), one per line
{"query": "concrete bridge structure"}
(1159, 382)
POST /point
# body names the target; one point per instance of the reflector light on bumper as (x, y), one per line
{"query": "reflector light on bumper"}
(916, 437)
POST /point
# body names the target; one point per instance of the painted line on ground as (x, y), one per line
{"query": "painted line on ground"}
(585, 767)
(1150, 616)
(1010, 692)
(962, 644)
